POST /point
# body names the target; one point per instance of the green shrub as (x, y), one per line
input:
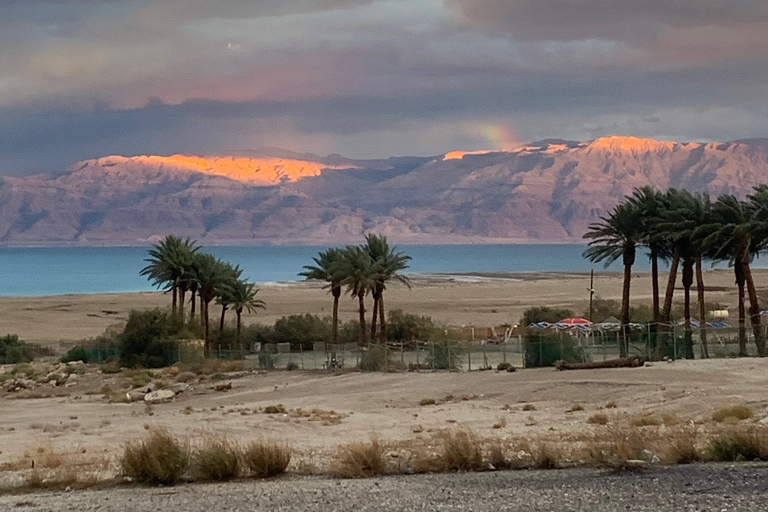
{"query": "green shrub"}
(545, 349)
(266, 359)
(217, 461)
(265, 459)
(76, 353)
(734, 447)
(544, 314)
(444, 356)
(375, 359)
(157, 460)
(302, 330)
(292, 366)
(403, 326)
(13, 351)
(24, 368)
(146, 340)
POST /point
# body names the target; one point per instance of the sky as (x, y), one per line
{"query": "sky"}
(82, 79)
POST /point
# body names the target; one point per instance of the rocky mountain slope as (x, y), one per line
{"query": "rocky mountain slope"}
(546, 191)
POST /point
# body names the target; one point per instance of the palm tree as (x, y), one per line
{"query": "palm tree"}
(209, 274)
(681, 223)
(244, 298)
(390, 263)
(328, 267)
(730, 236)
(652, 205)
(224, 290)
(617, 236)
(168, 263)
(360, 276)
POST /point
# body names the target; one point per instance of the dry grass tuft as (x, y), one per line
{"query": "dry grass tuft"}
(529, 407)
(266, 459)
(427, 401)
(501, 423)
(360, 460)
(598, 419)
(648, 420)
(736, 412)
(159, 459)
(576, 408)
(547, 456)
(459, 451)
(611, 405)
(275, 409)
(218, 460)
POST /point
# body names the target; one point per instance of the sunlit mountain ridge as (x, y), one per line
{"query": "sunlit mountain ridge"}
(549, 190)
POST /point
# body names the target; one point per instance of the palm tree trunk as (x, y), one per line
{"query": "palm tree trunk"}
(363, 334)
(174, 291)
(754, 311)
(192, 308)
(182, 293)
(221, 321)
(666, 311)
(740, 282)
(374, 316)
(624, 342)
(702, 309)
(655, 286)
(239, 312)
(206, 325)
(203, 312)
(382, 320)
(336, 291)
(687, 283)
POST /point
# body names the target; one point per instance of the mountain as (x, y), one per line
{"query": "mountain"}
(545, 191)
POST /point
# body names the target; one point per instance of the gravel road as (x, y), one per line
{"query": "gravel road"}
(699, 487)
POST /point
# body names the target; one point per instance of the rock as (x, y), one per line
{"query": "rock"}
(25, 383)
(161, 395)
(135, 395)
(178, 388)
(75, 363)
(223, 387)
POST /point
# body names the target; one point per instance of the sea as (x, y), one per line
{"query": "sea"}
(74, 270)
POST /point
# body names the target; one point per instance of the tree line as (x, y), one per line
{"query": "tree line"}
(363, 269)
(685, 229)
(180, 267)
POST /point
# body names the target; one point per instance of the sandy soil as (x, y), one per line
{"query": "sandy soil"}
(454, 300)
(79, 418)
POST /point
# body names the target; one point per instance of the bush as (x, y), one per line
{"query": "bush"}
(545, 349)
(157, 460)
(460, 451)
(544, 314)
(76, 353)
(736, 412)
(217, 461)
(13, 351)
(146, 340)
(598, 419)
(292, 366)
(265, 460)
(403, 326)
(375, 359)
(360, 460)
(443, 356)
(302, 330)
(734, 447)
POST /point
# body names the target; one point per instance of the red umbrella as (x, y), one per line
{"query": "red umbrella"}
(574, 321)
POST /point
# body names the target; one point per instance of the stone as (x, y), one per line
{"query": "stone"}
(135, 395)
(161, 395)
(223, 387)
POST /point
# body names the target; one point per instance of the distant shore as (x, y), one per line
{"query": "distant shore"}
(477, 298)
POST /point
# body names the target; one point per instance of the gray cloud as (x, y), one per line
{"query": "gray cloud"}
(84, 78)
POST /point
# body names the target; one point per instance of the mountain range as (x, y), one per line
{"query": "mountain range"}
(548, 191)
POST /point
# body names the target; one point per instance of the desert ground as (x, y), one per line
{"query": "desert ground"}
(318, 411)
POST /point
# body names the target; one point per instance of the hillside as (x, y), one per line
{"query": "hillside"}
(546, 191)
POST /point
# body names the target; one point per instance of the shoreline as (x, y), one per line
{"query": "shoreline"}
(480, 299)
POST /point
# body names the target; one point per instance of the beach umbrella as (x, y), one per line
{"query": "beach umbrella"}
(574, 321)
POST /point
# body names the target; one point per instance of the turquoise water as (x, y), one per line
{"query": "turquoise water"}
(56, 271)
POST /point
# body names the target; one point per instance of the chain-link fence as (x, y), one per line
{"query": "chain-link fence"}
(535, 348)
